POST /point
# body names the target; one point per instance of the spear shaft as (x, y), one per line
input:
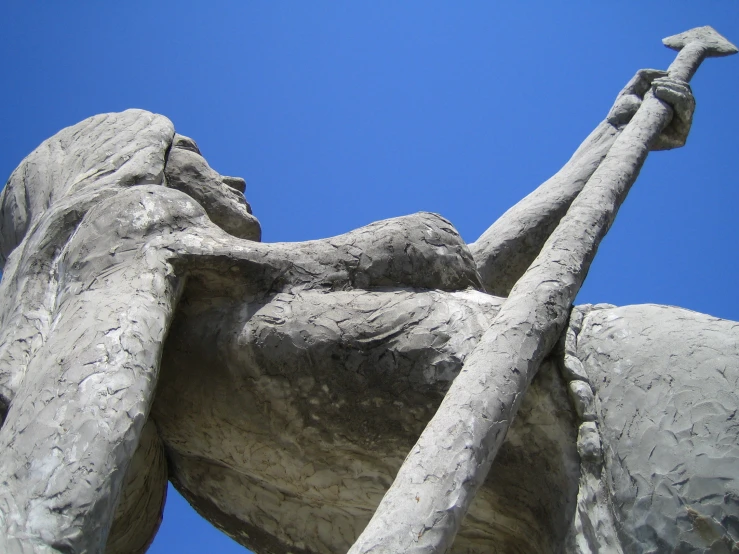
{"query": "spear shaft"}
(423, 509)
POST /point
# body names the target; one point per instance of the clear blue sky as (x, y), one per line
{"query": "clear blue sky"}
(340, 114)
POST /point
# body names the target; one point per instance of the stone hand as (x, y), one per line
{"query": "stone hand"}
(631, 96)
(678, 95)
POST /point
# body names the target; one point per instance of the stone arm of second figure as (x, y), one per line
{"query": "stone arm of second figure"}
(507, 248)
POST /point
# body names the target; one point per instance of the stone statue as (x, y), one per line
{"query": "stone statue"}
(147, 335)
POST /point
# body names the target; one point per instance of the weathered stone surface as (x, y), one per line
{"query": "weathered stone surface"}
(139, 511)
(666, 384)
(77, 317)
(456, 450)
(187, 171)
(294, 416)
(582, 398)
(141, 319)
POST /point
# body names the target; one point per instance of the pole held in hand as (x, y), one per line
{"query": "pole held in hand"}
(424, 508)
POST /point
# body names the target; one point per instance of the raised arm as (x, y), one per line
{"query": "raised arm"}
(507, 248)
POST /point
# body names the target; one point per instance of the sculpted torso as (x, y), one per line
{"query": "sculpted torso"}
(280, 386)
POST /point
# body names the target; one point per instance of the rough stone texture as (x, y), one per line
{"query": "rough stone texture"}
(456, 450)
(295, 415)
(139, 511)
(666, 387)
(187, 171)
(82, 314)
(284, 384)
(509, 246)
(85, 314)
(593, 528)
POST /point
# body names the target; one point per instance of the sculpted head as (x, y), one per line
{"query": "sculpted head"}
(82, 165)
(222, 197)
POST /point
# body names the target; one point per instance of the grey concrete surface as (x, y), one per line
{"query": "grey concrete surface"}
(146, 334)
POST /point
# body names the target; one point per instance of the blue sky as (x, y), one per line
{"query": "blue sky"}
(340, 114)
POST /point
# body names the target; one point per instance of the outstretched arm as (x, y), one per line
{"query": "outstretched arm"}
(504, 252)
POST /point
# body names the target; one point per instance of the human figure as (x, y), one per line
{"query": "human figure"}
(115, 232)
